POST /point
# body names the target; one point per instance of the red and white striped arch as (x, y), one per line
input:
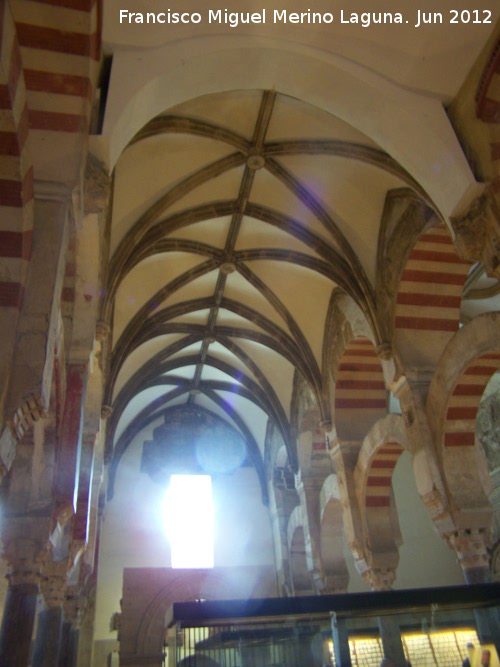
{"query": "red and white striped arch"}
(59, 64)
(360, 393)
(46, 86)
(381, 525)
(428, 302)
(459, 454)
(16, 170)
(463, 404)
(379, 476)
(373, 475)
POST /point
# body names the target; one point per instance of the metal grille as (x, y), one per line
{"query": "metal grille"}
(263, 645)
(267, 645)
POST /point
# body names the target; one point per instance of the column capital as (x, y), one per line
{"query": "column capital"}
(102, 330)
(471, 547)
(97, 185)
(26, 558)
(379, 579)
(477, 232)
(106, 410)
(53, 584)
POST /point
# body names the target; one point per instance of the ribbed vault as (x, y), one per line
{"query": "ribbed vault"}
(236, 218)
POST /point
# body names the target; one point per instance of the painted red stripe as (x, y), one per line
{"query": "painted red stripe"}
(60, 84)
(352, 403)
(68, 294)
(16, 193)
(386, 464)
(462, 439)
(495, 356)
(9, 88)
(344, 367)
(390, 449)
(5, 100)
(436, 256)
(433, 277)
(360, 384)
(57, 122)
(468, 390)
(360, 341)
(50, 39)
(12, 143)
(436, 238)
(360, 353)
(489, 111)
(432, 300)
(377, 501)
(485, 371)
(11, 244)
(426, 323)
(9, 144)
(379, 481)
(461, 412)
(11, 193)
(16, 244)
(11, 295)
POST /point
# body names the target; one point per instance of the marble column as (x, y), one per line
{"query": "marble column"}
(50, 619)
(17, 624)
(48, 638)
(390, 634)
(340, 638)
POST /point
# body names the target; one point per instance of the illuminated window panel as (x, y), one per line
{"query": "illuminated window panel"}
(434, 649)
(366, 652)
(189, 518)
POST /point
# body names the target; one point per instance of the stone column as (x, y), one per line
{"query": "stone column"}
(390, 634)
(309, 490)
(26, 557)
(38, 325)
(471, 547)
(494, 499)
(428, 477)
(49, 629)
(17, 624)
(282, 502)
(344, 458)
(340, 638)
(380, 579)
(68, 655)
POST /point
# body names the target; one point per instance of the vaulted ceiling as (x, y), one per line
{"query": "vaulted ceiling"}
(239, 210)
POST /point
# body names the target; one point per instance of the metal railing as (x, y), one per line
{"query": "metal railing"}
(352, 630)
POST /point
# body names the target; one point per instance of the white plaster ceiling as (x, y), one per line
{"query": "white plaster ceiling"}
(433, 58)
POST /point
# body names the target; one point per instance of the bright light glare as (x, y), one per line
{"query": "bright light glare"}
(189, 519)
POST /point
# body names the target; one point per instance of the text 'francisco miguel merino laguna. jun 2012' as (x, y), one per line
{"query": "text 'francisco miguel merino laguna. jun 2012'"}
(416, 18)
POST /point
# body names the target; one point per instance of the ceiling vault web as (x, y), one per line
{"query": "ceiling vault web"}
(213, 325)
